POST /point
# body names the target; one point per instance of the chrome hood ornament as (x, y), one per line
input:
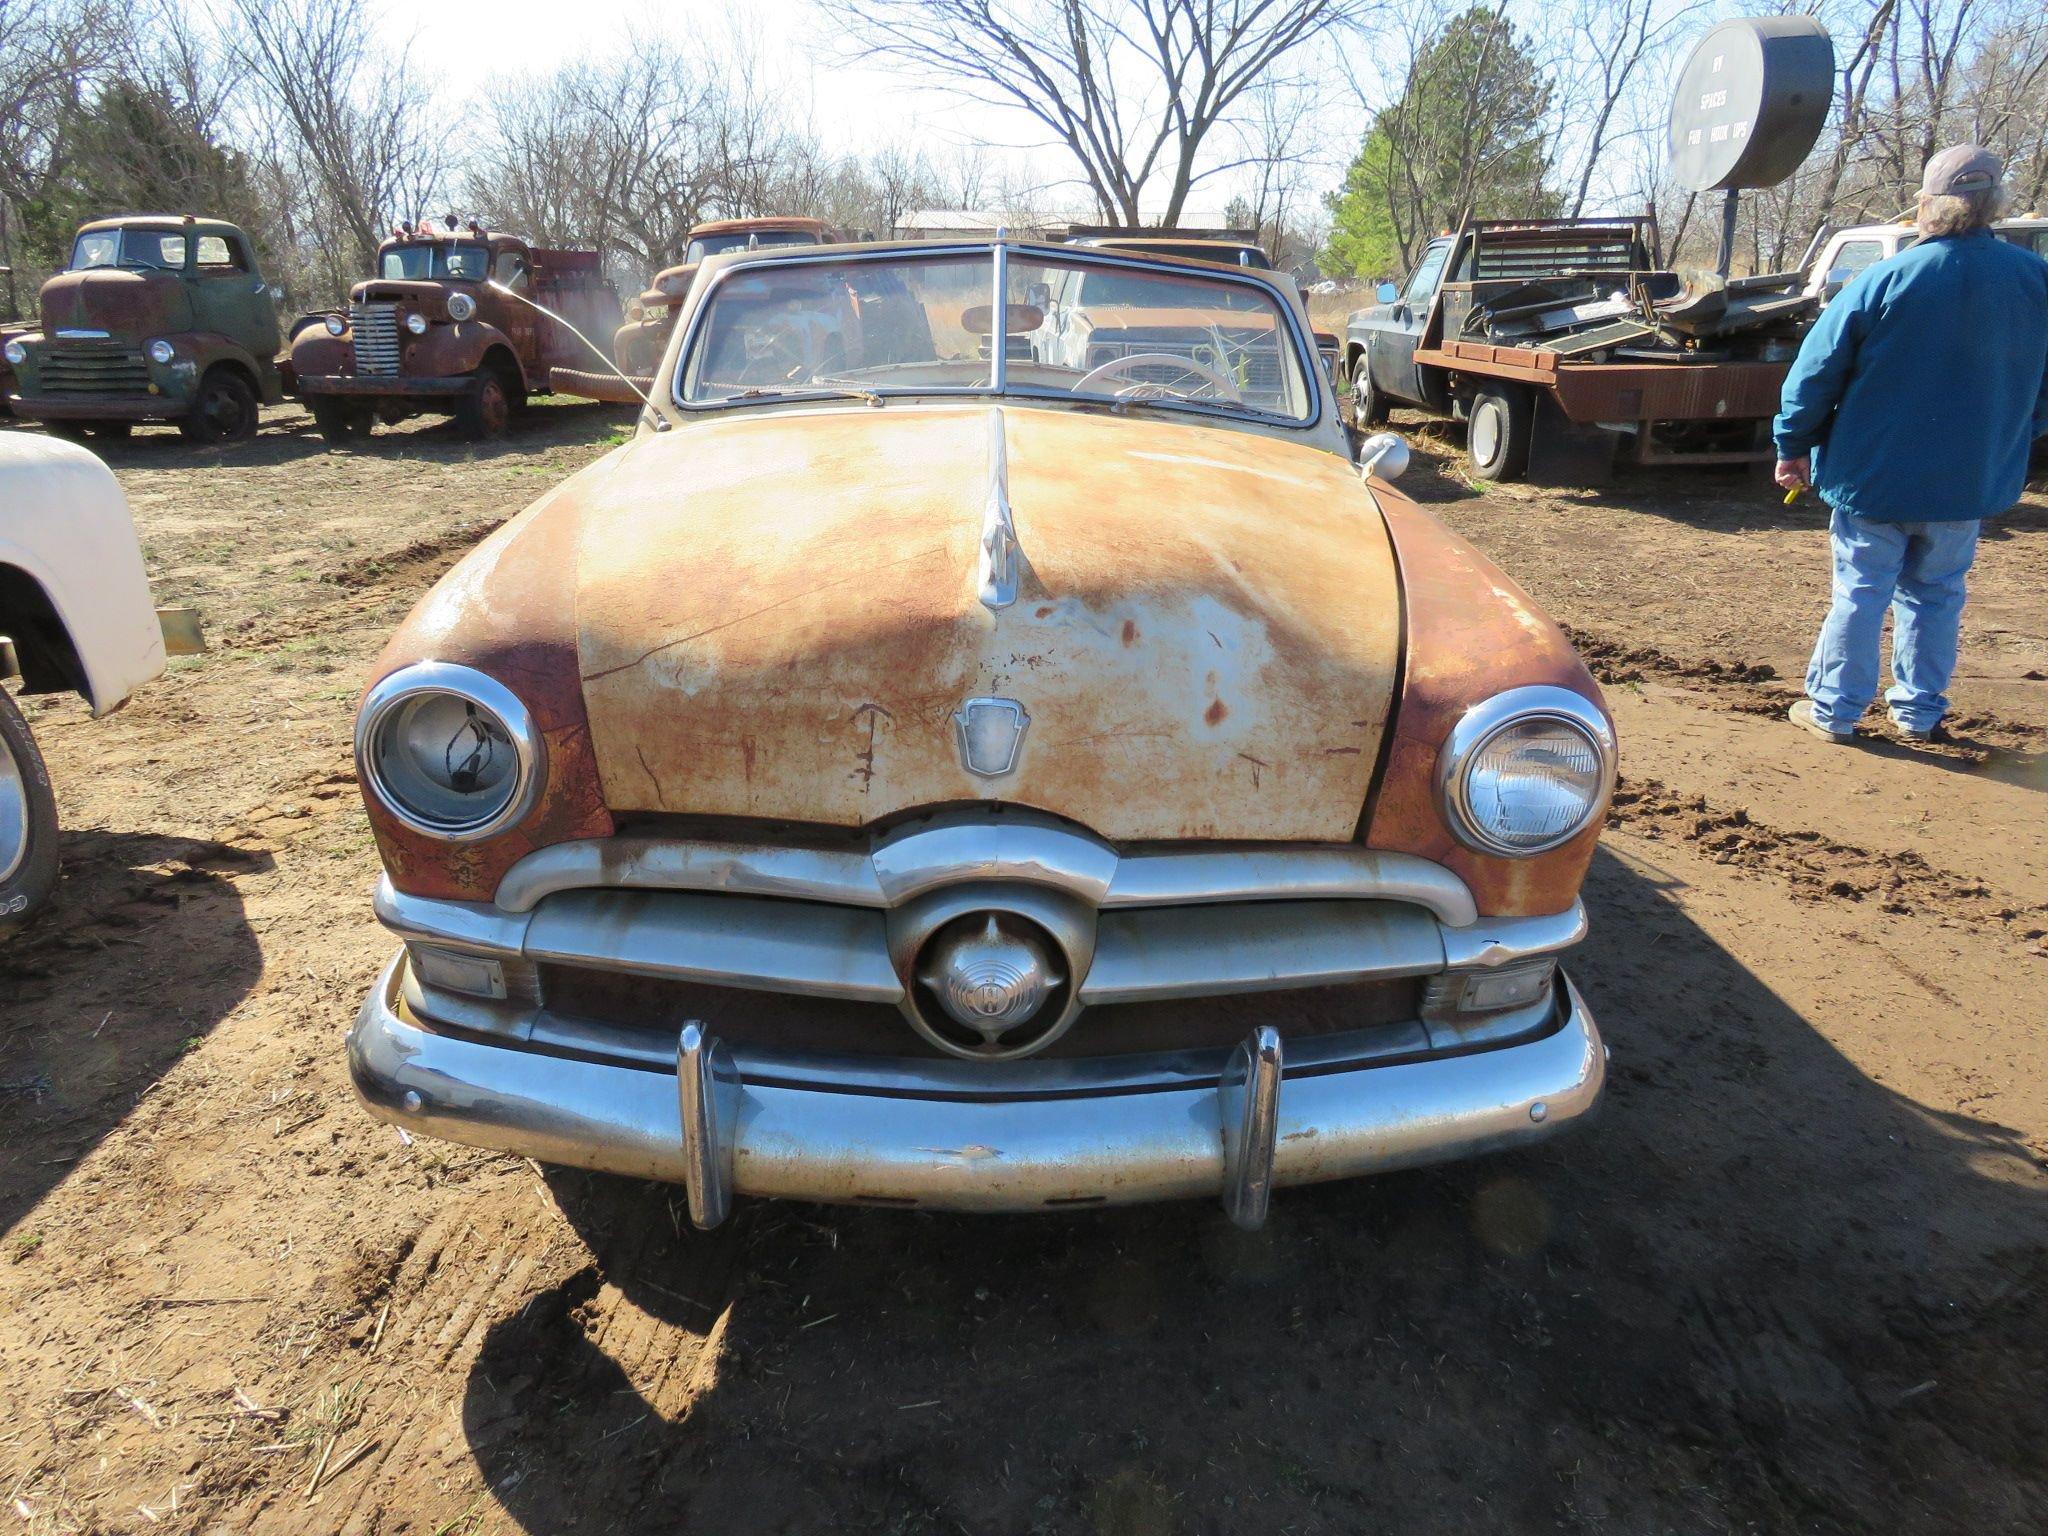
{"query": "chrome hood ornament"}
(991, 733)
(1000, 554)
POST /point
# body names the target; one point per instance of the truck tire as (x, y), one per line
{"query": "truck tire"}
(1368, 405)
(340, 421)
(224, 410)
(28, 822)
(487, 409)
(1498, 430)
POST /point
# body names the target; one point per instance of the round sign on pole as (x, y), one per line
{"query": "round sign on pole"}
(1750, 102)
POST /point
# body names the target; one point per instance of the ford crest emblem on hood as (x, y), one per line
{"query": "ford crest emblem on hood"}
(991, 734)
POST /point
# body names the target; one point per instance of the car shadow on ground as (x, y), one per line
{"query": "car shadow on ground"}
(142, 951)
(1761, 1291)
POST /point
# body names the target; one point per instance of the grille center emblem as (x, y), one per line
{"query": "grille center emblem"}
(991, 733)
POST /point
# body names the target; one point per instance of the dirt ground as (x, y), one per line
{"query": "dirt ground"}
(1795, 1277)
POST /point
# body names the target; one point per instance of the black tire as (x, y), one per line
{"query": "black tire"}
(1368, 405)
(224, 411)
(28, 822)
(340, 421)
(1498, 430)
(486, 411)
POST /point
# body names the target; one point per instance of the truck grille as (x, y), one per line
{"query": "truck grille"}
(376, 337)
(72, 368)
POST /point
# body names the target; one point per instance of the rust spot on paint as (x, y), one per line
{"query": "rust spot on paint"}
(1215, 712)
(1130, 631)
(1044, 610)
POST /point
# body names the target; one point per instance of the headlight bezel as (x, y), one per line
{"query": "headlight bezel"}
(461, 307)
(1482, 723)
(15, 353)
(335, 326)
(389, 695)
(161, 352)
(416, 324)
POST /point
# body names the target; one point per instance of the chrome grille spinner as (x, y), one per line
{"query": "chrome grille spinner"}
(375, 328)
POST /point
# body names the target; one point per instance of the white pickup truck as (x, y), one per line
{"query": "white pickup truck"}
(1845, 252)
(76, 617)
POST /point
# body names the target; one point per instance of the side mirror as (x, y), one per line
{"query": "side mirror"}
(1386, 293)
(1836, 280)
(1384, 454)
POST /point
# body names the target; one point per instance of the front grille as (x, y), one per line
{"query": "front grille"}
(87, 369)
(376, 337)
(1251, 360)
(775, 1021)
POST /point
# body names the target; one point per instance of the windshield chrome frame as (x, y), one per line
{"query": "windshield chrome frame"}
(999, 385)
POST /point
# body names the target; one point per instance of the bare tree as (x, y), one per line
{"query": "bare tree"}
(1131, 88)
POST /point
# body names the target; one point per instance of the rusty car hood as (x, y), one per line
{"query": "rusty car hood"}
(124, 303)
(779, 615)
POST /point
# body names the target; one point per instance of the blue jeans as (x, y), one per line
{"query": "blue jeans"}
(1918, 569)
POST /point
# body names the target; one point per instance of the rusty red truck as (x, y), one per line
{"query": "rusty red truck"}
(454, 323)
(155, 317)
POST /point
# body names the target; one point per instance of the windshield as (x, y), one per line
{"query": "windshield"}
(743, 239)
(904, 323)
(158, 248)
(441, 259)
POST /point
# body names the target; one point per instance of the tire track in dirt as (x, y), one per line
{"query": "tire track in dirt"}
(1819, 867)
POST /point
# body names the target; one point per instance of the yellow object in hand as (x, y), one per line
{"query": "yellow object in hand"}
(1793, 494)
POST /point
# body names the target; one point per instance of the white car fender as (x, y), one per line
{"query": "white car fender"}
(65, 524)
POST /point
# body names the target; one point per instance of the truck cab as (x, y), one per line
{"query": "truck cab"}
(1846, 252)
(638, 344)
(156, 317)
(454, 323)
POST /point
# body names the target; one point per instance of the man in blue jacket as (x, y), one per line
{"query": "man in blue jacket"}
(1911, 409)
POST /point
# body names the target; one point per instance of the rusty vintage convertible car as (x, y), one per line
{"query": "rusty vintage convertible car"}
(928, 766)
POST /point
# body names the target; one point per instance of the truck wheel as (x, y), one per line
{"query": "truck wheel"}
(28, 822)
(1368, 405)
(487, 409)
(338, 421)
(1498, 431)
(224, 412)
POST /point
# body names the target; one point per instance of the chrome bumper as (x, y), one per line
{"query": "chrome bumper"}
(722, 1125)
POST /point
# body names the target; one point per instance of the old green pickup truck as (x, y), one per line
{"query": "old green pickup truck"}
(156, 317)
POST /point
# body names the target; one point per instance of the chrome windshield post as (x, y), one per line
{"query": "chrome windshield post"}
(999, 323)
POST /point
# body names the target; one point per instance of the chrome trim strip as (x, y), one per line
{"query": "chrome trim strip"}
(967, 1155)
(1168, 952)
(807, 949)
(1287, 874)
(662, 864)
(1493, 941)
(1249, 1099)
(1001, 554)
(1014, 845)
(458, 924)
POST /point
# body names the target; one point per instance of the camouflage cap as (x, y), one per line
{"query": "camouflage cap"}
(1960, 171)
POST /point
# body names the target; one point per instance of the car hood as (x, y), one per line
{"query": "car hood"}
(128, 305)
(782, 615)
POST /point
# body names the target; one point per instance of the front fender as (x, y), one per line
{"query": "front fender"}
(453, 347)
(65, 526)
(1471, 633)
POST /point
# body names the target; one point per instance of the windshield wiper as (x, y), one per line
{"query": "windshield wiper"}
(829, 391)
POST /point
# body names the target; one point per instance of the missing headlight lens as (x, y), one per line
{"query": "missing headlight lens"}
(450, 751)
(1527, 770)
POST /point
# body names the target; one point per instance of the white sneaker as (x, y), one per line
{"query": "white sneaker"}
(1801, 715)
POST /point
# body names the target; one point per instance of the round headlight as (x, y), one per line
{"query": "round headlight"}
(416, 323)
(161, 352)
(451, 752)
(336, 325)
(17, 354)
(460, 306)
(1526, 771)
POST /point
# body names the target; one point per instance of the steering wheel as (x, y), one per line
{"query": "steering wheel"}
(1116, 367)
